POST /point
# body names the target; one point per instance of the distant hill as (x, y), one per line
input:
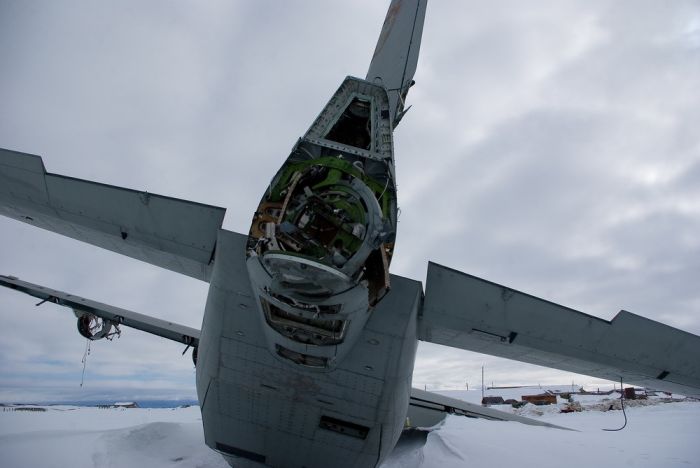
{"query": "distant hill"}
(140, 403)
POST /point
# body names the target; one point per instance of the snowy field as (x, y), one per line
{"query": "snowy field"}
(657, 435)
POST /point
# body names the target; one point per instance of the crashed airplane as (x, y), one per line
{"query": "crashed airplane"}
(307, 346)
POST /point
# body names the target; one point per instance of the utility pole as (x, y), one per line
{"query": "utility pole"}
(482, 384)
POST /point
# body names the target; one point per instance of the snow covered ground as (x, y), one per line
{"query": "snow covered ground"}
(657, 435)
(77, 437)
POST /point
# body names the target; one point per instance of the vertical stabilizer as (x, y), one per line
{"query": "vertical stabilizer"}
(396, 55)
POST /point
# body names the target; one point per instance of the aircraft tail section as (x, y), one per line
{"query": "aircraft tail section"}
(175, 234)
(396, 54)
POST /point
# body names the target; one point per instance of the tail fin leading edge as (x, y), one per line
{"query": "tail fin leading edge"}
(396, 54)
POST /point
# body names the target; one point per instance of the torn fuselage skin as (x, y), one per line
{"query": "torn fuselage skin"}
(322, 237)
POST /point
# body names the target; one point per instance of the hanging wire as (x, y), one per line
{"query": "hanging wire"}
(622, 403)
(86, 353)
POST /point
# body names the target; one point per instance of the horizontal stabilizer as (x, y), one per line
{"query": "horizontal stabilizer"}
(116, 315)
(175, 234)
(470, 313)
(427, 409)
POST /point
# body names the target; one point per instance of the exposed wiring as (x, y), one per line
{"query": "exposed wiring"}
(622, 403)
(384, 191)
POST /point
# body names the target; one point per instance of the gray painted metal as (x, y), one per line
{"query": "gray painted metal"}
(466, 312)
(258, 408)
(427, 409)
(175, 234)
(163, 328)
(396, 54)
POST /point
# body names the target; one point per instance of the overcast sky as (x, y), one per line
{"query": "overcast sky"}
(552, 147)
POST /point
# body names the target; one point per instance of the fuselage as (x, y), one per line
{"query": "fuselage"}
(305, 356)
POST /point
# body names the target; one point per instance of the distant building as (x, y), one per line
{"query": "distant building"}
(127, 404)
(543, 399)
(120, 404)
(492, 400)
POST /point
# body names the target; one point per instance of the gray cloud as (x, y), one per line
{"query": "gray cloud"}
(551, 148)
